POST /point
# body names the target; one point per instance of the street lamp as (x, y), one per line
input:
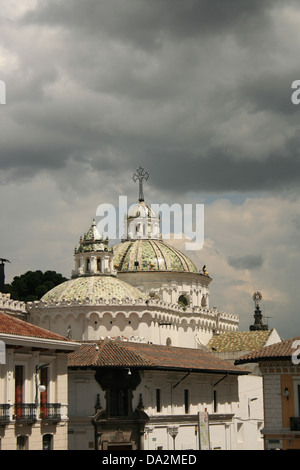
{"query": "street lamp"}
(39, 387)
(173, 431)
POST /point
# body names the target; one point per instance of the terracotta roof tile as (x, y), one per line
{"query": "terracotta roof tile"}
(15, 326)
(281, 350)
(115, 353)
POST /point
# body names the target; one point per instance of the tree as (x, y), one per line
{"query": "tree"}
(33, 285)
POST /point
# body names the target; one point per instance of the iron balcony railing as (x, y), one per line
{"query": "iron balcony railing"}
(295, 424)
(50, 412)
(25, 412)
(4, 413)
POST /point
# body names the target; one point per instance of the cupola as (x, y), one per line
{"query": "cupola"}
(93, 256)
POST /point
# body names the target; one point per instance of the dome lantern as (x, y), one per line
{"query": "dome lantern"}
(93, 256)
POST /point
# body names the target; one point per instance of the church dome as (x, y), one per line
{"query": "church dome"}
(151, 255)
(141, 210)
(92, 288)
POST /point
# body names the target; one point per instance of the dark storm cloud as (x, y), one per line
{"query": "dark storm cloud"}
(246, 261)
(169, 84)
(224, 171)
(143, 22)
(270, 92)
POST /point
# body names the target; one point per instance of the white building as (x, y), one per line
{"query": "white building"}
(141, 289)
(33, 383)
(126, 395)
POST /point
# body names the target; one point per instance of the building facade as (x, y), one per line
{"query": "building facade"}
(279, 365)
(33, 384)
(126, 395)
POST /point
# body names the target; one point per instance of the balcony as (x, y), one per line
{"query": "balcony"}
(25, 413)
(4, 414)
(295, 424)
(50, 412)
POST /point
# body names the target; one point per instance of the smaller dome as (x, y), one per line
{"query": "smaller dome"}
(92, 288)
(141, 210)
(92, 241)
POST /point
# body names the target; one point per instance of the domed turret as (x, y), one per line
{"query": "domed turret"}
(93, 256)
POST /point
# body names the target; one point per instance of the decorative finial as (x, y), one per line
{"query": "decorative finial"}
(140, 175)
(257, 298)
(258, 323)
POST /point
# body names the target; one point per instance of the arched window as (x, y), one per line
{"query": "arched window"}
(169, 342)
(183, 301)
(22, 442)
(47, 442)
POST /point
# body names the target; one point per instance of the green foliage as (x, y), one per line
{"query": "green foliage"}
(33, 285)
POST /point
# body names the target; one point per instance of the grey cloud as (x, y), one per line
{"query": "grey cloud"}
(223, 171)
(270, 92)
(143, 22)
(246, 261)
(164, 108)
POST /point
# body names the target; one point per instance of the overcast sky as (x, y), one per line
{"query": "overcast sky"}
(198, 92)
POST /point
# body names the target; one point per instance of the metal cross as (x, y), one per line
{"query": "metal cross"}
(140, 175)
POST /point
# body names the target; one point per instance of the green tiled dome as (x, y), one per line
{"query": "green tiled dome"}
(93, 288)
(151, 255)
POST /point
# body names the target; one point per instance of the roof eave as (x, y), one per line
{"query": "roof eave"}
(262, 359)
(163, 368)
(50, 343)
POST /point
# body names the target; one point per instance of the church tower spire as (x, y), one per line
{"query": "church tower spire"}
(258, 323)
(142, 221)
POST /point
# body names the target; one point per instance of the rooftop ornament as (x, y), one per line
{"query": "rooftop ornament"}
(140, 175)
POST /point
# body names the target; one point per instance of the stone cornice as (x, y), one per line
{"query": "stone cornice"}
(139, 306)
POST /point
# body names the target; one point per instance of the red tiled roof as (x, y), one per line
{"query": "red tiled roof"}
(115, 353)
(282, 350)
(14, 326)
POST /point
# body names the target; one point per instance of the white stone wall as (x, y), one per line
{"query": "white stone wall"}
(155, 322)
(83, 391)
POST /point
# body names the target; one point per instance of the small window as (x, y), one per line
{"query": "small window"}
(186, 402)
(183, 301)
(215, 401)
(47, 442)
(119, 402)
(22, 442)
(158, 404)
